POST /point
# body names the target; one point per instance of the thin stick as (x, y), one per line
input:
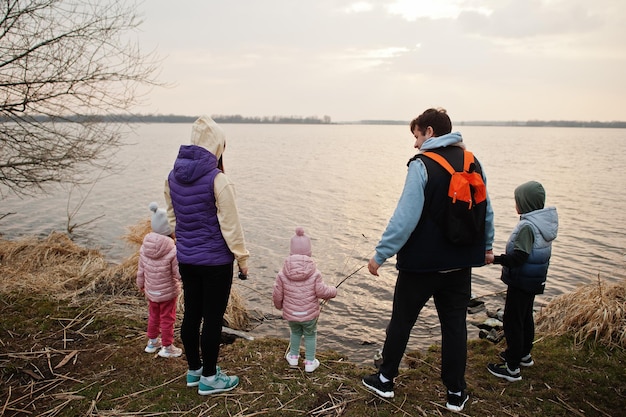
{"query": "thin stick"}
(323, 303)
(566, 406)
(240, 284)
(597, 409)
(387, 401)
(490, 295)
(445, 408)
(6, 402)
(343, 280)
(345, 264)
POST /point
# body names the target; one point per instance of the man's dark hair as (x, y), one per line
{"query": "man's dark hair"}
(438, 119)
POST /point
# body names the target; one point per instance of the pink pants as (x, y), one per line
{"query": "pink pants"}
(161, 319)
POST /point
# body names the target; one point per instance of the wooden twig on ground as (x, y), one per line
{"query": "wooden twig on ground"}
(597, 409)
(567, 406)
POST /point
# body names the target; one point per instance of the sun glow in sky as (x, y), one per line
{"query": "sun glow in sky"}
(382, 59)
(444, 9)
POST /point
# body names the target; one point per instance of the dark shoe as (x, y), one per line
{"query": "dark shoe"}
(493, 335)
(475, 306)
(501, 370)
(457, 402)
(525, 361)
(373, 382)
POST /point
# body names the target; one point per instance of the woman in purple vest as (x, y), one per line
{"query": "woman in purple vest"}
(209, 238)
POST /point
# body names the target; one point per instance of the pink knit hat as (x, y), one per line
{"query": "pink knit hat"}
(300, 244)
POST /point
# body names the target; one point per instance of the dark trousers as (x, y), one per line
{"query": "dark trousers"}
(451, 292)
(519, 325)
(206, 293)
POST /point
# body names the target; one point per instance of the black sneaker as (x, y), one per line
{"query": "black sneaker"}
(501, 370)
(525, 361)
(457, 402)
(373, 382)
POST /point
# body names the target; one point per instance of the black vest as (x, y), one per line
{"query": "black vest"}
(428, 249)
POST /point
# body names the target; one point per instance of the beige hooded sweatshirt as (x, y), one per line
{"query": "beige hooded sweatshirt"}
(207, 134)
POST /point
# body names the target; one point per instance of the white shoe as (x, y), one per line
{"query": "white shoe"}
(152, 347)
(292, 359)
(170, 351)
(310, 366)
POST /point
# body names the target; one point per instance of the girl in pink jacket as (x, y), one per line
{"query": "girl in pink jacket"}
(158, 278)
(297, 290)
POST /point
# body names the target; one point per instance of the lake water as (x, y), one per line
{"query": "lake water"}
(341, 183)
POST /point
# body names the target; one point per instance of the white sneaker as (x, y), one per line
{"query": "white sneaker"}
(292, 359)
(153, 345)
(170, 351)
(310, 366)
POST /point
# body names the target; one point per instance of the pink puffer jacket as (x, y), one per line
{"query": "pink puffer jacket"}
(298, 288)
(157, 273)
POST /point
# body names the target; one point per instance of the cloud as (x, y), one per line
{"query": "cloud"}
(359, 7)
(381, 59)
(531, 18)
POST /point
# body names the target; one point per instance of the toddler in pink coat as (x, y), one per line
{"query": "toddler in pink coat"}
(158, 278)
(297, 291)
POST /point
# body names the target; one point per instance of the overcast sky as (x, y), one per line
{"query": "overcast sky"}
(356, 60)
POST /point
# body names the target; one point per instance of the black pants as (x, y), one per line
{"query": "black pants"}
(519, 325)
(451, 292)
(206, 293)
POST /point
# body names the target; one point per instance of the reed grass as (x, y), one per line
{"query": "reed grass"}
(594, 311)
(65, 271)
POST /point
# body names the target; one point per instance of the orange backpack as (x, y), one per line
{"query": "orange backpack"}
(465, 216)
(466, 185)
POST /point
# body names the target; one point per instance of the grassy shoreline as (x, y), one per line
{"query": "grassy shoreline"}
(72, 333)
(83, 358)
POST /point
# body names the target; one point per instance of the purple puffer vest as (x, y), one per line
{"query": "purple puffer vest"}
(199, 240)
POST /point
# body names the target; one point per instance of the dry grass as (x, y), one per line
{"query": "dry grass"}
(65, 271)
(82, 353)
(66, 361)
(594, 311)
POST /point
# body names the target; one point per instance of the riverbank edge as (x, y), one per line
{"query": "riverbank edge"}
(85, 357)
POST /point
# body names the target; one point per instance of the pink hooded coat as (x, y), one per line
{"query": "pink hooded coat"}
(157, 273)
(298, 288)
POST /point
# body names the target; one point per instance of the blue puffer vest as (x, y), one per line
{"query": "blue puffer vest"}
(531, 275)
(199, 240)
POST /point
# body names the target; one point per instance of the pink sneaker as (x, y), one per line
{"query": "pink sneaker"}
(170, 351)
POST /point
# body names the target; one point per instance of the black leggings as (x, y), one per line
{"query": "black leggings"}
(206, 292)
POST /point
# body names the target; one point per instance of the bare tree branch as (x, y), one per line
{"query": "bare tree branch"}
(60, 59)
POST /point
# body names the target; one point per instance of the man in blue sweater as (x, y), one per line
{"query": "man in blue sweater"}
(429, 265)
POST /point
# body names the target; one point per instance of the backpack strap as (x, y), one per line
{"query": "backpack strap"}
(440, 160)
(468, 160)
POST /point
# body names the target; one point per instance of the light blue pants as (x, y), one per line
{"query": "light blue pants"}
(308, 329)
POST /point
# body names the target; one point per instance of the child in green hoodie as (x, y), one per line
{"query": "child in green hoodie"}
(524, 270)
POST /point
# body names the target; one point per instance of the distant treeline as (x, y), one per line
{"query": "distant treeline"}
(171, 118)
(549, 123)
(529, 123)
(130, 118)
